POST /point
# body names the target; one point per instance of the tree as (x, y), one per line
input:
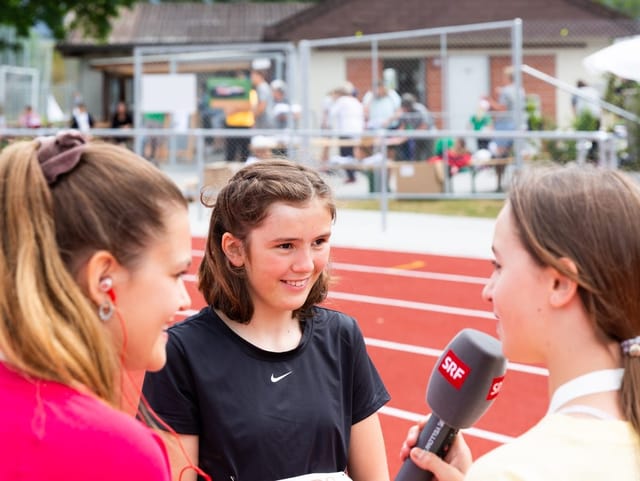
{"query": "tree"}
(629, 7)
(92, 17)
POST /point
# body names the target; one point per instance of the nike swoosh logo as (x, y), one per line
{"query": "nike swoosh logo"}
(280, 378)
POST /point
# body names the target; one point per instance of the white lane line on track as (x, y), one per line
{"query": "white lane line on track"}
(429, 352)
(415, 417)
(391, 271)
(419, 306)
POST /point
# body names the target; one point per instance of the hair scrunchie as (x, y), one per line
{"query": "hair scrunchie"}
(59, 154)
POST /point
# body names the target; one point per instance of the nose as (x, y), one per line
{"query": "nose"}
(185, 298)
(304, 261)
(487, 290)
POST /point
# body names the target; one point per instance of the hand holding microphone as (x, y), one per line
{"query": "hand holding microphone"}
(464, 383)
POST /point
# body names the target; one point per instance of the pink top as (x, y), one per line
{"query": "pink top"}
(49, 431)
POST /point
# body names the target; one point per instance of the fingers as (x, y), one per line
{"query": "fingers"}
(412, 437)
(441, 470)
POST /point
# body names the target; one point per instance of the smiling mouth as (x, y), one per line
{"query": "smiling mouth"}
(301, 283)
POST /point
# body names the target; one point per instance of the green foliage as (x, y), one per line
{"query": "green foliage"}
(626, 94)
(563, 151)
(629, 7)
(92, 17)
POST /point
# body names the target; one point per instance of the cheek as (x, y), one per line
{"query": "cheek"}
(322, 259)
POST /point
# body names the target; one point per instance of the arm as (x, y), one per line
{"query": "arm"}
(367, 456)
(179, 445)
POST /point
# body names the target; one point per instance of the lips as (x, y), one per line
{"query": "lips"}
(300, 283)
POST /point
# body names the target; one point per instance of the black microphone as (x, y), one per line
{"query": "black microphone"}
(464, 383)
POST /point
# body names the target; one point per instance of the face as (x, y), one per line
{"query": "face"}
(287, 254)
(148, 296)
(518, 289)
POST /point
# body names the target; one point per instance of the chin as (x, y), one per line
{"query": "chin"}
(157, 359)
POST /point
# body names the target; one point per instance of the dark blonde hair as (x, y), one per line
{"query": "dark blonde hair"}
(112, 200)
(240, 207)
(592, 217)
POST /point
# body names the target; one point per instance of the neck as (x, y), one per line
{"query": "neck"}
(580, 356)
(130, 387)
(268, 333)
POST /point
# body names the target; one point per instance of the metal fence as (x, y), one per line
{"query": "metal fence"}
(449, 71)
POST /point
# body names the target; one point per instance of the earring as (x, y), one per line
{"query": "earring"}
(105, 310)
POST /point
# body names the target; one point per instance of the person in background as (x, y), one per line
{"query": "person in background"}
(95, 244)
(587, 102)
(346, 117)
(481, 122)
(29, 118)
(380, 107)
(81, 119)
(122, 119)
(263, 383)
(413, 115)
(566, 295)
(262, 106)
(504, 111)
(285, 114)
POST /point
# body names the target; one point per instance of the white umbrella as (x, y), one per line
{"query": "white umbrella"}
(621, 58)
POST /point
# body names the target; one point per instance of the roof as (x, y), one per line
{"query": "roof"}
(541, 18)
(186, 24)
(545, 22)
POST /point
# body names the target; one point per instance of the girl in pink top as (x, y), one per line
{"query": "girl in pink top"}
(95, 241)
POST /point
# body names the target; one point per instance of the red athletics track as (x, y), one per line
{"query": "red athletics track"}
(409, 306)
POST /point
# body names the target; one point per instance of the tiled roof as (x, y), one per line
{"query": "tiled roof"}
(541, 18)
(190, 23)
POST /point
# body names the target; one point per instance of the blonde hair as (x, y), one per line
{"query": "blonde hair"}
(112, 200)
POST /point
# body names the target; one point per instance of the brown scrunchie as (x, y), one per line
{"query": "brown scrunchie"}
(59, 154)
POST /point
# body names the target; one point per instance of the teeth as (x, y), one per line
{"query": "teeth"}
(296, 283)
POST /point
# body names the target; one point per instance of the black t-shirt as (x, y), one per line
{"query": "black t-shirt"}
(260, 415)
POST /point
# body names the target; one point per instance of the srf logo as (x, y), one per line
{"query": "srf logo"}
(454, 370)
(494, 390)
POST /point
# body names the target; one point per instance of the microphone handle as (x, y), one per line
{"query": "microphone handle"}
(436, 437)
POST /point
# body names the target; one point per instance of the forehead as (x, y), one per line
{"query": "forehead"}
(504, 227)
(312, 213)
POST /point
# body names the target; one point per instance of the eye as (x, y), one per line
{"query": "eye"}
(321, 241)
(285, 246)
(496, 265)
(180, 274)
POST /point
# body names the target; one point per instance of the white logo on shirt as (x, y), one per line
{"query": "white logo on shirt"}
(275, 378)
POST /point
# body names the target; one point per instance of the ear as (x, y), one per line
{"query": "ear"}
(233, 248)
(564, 288)
(100, 265)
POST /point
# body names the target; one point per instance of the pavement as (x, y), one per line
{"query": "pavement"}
(398, 231)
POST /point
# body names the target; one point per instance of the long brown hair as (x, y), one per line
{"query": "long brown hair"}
(112, 200)
(239, 208)
(591, 216)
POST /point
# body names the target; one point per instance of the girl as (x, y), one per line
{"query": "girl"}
(94, 243)
(263, 384)
(566, 294)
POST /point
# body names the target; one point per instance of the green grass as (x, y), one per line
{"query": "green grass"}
(487, 208)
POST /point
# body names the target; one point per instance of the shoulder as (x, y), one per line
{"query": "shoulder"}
(82, 429)
(337, 323)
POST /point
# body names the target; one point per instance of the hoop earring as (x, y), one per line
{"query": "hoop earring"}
(105, 311)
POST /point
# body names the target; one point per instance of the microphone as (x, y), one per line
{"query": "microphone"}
(464, 383)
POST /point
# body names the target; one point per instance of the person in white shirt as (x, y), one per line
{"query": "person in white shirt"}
(81, 118)
(346, 116)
